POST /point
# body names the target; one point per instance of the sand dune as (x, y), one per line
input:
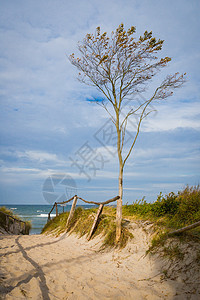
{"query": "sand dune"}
(45, 267)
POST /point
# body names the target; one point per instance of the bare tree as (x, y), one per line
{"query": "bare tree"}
(120, 66)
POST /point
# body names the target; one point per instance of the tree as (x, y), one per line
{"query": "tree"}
(120, 66)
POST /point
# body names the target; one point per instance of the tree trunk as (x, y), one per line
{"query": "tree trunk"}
(119, 207)
(119, 201)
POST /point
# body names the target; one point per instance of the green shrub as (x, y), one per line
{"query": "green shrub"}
(189, 206)
(139, 207)
(165, 205)
(171, 211)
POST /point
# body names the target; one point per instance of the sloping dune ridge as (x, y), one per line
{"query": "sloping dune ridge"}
(67, 267)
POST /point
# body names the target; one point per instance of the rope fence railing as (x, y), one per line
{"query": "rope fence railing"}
(73, 207)
(14, 225)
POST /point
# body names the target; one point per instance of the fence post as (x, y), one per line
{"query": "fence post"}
(24, 228)
(7, 223)
(56, 209)
(72, 210)
(96, 220)
(15, 231)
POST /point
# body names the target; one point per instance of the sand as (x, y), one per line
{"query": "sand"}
(46, 267)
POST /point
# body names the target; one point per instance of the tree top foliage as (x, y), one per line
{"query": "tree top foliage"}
(120, 65)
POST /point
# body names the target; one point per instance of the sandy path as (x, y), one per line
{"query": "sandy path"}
(43, 267)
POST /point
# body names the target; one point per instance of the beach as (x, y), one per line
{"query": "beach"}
(68, 267)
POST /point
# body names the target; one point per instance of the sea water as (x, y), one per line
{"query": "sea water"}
(38, 214)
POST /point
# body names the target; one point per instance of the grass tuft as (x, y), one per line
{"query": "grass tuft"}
(56, 225)
(82, 222)
(10, 212)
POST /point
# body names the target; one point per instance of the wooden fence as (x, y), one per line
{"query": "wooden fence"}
(73, 207)
(13, 225)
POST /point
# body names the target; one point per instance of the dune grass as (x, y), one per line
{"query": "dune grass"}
(81, 224)
(172, 211)
(7, 211)
(168, 212)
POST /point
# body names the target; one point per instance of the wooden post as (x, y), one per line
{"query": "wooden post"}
(7, 223)
(95, 221)
(189, 227)
(27, 229)
(56, 209)
(72, 210)
(24, 228)
(15, 231)
(17, 227)
(20, 227)
(49, 218)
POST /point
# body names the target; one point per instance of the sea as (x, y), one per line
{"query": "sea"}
(38, 214)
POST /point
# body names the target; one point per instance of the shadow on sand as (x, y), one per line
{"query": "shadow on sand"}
(37, 271)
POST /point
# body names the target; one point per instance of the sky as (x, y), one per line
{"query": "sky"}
(53, 141)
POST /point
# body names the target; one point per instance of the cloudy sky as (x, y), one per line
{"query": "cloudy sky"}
(48, 129)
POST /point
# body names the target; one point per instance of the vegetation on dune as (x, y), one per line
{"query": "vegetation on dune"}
(57, 225)
(81, 224)
(7, 211)
(168, 212)
(172, 210)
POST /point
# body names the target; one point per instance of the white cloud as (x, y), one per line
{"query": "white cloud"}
(20, 175)
(40, 156)
(15, 170)
(135, 189)
(174, 115)
(169, 186)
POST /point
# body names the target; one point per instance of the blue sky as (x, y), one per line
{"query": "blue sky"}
(46, 122)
